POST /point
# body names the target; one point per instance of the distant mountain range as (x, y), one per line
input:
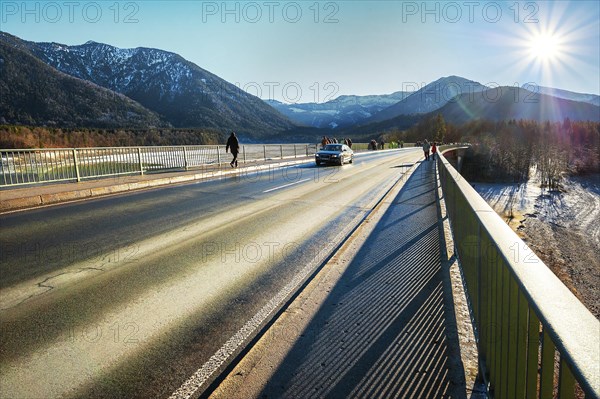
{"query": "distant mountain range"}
(180, 92)
(98, 85)
(497, 104)
(430, 97)
(507, 102)
(567, 95)
(400, 109)
(341, 112)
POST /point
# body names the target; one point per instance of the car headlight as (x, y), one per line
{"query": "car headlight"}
(334, 156)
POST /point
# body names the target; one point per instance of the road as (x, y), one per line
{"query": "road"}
(127, 296)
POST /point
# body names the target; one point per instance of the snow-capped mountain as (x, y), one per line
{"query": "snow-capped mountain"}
(33, 93)
(340, 112)
(121, 70)
(182, 93)
(430, 97)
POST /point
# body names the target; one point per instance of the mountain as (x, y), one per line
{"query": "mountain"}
(340, 112)
(430, 97)
(567, 95)
(507, 102)
(33, 93)
(498, 104)
(182, 93)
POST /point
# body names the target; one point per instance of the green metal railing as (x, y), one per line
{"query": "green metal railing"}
(535, 338)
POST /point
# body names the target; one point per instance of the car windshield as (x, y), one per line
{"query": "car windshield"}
(333, 147)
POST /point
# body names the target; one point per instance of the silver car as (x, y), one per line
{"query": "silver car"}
(334, 153)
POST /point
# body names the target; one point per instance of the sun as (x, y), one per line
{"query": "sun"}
(545, 47)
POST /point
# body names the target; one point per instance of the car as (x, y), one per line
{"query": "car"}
(334, 153)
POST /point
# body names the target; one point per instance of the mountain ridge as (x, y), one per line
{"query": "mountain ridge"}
(565, 94)
(342, 111)
(509, 102)
(430, 97)
(33, 93)
(165, 89)
(182, 93)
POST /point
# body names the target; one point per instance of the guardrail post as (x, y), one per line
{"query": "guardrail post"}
(265, 152)
(244, 153)
(307, 150)
(219, 156)
(295, 154)
(185, 160)
(281, 150)
(76, 164)
(139, 151)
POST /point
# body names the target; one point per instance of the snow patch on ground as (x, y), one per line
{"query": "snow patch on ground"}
(561, 227)
(503, 198)
(576, 207)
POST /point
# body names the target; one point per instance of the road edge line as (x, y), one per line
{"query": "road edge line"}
(212, 372)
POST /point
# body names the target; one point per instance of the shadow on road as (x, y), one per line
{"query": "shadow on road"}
(387, 328)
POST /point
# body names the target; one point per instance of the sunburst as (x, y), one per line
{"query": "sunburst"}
(545, 46)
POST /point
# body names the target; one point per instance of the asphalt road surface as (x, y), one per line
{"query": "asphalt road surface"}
(127, 296)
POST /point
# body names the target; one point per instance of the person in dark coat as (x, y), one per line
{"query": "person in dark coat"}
(426, 148)
(233, 144)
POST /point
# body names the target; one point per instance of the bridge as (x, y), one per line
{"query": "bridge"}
(390, 277)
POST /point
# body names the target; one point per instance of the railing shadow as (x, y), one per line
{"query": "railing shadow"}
(383, 330)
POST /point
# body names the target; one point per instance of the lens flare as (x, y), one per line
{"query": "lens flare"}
(545, 47)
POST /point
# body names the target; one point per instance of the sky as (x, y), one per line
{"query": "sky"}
(314, 51)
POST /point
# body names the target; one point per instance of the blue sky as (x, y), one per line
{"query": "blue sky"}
(314, 51)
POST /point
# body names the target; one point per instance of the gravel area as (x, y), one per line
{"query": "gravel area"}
(561, 227)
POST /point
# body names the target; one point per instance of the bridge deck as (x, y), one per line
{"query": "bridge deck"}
(378, 320)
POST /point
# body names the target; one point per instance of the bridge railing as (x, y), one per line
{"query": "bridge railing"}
(31, 166)
(535, 338)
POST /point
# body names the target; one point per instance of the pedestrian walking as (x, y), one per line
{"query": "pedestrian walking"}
(433, 150)
(233, 144)
(426, 148)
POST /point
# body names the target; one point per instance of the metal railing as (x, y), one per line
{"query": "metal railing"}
(22, 167)
(535, 338)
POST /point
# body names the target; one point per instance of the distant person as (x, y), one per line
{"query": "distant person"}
(402, 144)
(233, 144)
(433, 150)
(426, 148)
(382, 144)
(349, 142)
(373, 145)
(324, 142)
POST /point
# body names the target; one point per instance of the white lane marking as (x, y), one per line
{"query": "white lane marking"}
(198, 380)
(285, 185)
